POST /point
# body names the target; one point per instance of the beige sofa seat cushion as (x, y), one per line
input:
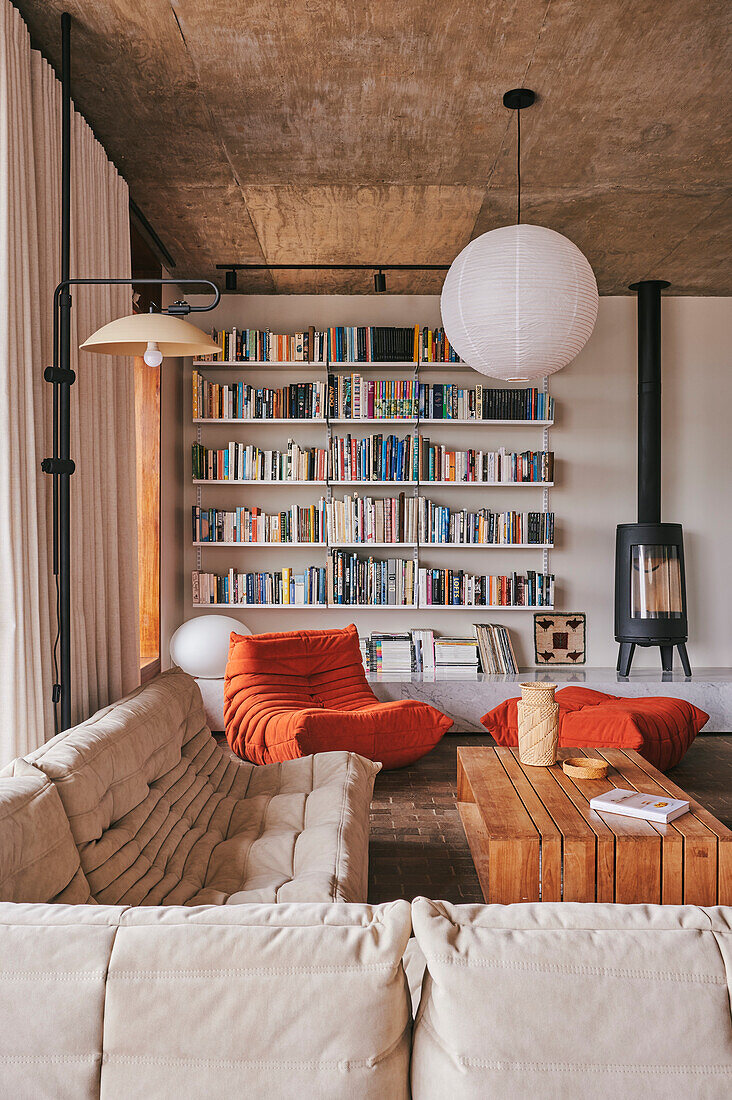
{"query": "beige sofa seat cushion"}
(569, 1000)
(162, 815)
(38, 857)
(306, 1001)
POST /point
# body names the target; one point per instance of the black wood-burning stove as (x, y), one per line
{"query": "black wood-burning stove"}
(650, 583)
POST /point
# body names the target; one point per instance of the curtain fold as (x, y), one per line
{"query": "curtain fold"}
(105, 629)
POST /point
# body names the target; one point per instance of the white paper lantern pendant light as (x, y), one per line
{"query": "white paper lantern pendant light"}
(520, 302)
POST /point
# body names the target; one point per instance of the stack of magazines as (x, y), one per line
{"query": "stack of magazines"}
(496, 650)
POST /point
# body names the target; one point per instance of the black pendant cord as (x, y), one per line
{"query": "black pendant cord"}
(518, 166)
(518, 99)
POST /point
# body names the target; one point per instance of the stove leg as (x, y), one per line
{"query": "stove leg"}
(684, 657)
(625, 657)
(667, 658)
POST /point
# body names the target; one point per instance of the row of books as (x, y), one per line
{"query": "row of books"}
(246, 345)
(348, 580)
(240, 401)
(354, 397)
(282, 586)
(457, 588)
(387, 458)
(446, 401)
(372, 580)
(440, 524)
(253, 525)
(376, 344)
(495, 648)
(339, 344)
(440, 463)
(368, 520)
(245, 462)
(490, 651)
(375, 458)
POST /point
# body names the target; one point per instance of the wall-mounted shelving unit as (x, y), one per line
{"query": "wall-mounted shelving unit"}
(319, 371)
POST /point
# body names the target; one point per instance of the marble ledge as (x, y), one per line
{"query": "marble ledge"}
(564, 675)
(466, 697)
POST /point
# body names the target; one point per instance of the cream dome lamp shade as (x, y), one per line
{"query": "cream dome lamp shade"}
(201, 645)
(132, 336)
(520, 302)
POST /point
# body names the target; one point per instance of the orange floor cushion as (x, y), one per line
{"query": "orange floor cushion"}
(660, 728)
(292, 694)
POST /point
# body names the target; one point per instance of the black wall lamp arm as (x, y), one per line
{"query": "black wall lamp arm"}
(61, 466)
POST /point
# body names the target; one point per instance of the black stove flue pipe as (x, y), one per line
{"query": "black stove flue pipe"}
(649, 398)
(668, 628)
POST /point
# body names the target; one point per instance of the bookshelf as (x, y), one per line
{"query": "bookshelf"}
(475, 432)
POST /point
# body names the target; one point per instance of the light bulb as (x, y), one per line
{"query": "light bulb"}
(153, 355)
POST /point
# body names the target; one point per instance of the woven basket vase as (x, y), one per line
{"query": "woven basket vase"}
(538, 724)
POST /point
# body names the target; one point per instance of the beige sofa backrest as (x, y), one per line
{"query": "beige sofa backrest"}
(226, 1001)
(132, 780)
(310, 1000)
(573, 1001)
(38, 857)
(104, 767)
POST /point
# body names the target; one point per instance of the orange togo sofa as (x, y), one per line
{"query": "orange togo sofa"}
(292, 694)
(660, 729)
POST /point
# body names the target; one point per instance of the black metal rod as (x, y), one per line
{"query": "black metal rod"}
(61, 350)
(58, 292)
(649, 399)
(61, 441)
(333, 267)
(62, 434)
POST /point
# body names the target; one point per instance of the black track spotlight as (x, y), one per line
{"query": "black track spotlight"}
(230, 281)
(380, 282)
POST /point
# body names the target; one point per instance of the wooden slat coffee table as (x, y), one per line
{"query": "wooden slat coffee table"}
(533, 836)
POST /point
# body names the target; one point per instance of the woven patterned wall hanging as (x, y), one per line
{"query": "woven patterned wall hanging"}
(559, 639)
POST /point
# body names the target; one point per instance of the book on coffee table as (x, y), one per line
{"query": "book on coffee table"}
(650, 807)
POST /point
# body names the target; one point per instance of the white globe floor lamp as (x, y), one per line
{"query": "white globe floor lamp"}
(519, 302)
(200, 646)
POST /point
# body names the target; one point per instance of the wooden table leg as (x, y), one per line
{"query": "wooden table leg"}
(478, 842)
(513, 870)
(637, 869)
(724, 871)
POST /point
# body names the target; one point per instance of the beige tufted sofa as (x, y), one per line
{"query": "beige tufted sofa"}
(140, 805)
(161, 988)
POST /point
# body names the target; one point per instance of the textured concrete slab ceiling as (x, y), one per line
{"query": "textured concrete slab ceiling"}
(308, 131)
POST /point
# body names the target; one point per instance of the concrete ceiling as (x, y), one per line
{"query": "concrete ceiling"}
(349, 131)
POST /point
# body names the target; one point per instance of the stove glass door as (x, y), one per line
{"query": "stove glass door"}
(655, 586)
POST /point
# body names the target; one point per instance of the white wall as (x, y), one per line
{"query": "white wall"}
(595, 443)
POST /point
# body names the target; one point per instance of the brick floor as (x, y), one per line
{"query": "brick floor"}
(417, 841)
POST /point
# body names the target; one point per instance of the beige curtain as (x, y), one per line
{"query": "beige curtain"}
(105, 637)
